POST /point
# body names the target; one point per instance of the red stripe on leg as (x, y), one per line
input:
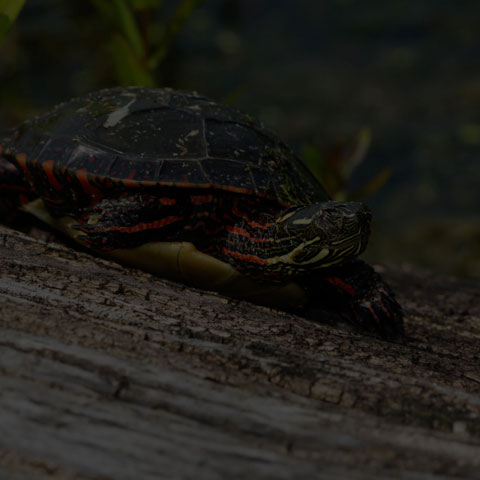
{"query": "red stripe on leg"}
(338, 282)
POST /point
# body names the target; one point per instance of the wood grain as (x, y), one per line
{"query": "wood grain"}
(108, 372)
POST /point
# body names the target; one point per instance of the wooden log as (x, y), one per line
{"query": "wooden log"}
(107, 372)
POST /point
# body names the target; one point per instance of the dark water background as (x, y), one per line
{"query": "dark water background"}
(317, 72)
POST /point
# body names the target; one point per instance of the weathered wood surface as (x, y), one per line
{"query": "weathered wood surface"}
(111, 373)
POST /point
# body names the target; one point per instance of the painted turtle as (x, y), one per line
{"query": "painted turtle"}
(195, 191)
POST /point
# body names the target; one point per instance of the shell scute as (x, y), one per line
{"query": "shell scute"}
(183, 172)
(159, 130)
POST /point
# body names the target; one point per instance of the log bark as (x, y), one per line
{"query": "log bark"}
(107, 372)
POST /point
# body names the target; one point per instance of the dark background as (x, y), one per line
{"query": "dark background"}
(317, 72)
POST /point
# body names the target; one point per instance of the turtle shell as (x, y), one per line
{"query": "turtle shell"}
(144, 137)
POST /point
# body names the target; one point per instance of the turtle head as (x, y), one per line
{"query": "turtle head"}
(323, 234)
(298, 240)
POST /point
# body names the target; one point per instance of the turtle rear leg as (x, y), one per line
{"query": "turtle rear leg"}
(15, 191)
(360, 295)
(128, 222)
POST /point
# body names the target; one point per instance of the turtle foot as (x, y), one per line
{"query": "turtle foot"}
(360, 296)
(378, 310)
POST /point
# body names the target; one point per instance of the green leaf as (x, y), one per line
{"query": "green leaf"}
(129, 69)
(4, 25)
(145, 4)
(9, 10)
(127, 24)
(373, 185)
(357, 156)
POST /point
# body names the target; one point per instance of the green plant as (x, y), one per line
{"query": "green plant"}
(9, 10)
(138, 42)
(335, 169)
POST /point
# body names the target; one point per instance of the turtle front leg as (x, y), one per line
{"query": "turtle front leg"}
(360, 294)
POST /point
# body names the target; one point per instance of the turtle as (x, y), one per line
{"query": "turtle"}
(195, 191)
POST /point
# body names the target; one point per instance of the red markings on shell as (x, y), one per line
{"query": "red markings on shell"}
(49, 172)
(201, 199)
(84, 179)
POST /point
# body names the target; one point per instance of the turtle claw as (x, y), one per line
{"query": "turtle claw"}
(378, 311)
(381, 314)
(372, 317)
